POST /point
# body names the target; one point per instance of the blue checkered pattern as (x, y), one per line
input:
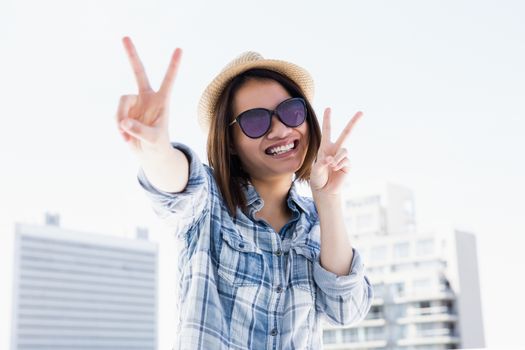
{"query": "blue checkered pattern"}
(244, 286)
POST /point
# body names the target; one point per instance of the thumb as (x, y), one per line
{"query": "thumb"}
(139, 130)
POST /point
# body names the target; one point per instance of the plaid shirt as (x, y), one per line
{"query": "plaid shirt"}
(242, 285)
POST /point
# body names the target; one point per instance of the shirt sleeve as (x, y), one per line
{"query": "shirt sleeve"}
(180, 210)
(345, 300)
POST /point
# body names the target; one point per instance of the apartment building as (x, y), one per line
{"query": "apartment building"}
(427, 293)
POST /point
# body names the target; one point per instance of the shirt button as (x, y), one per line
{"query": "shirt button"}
(279, 252)
(279, 289)
(273, 332)
(241, 245)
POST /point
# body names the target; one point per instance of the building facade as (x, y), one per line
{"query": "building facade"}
(74, 290)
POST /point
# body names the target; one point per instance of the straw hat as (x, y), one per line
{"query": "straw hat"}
(240, 64)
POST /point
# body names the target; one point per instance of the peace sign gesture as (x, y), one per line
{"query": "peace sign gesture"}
(332, 164)
(143, 119)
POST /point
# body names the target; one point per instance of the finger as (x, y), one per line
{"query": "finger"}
(126, 102)
(136, 64)
(325, 137)
(321, 164)
(328, 160)
(140, 131)
(341, 153)
(124, 135)
(324, 160)
(167, 83)
(348, 128)
(345, 169)
(344, 163)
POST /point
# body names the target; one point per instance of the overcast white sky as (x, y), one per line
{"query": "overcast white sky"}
(441, 84)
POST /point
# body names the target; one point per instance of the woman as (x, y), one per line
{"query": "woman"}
(259, 265)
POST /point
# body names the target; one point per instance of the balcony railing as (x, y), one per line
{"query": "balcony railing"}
(423, 333)
(420, 296)
(374, 316)
(435, 310)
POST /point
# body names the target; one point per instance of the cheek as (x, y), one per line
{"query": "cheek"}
(243, 147)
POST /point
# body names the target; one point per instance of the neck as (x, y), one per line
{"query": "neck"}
(274, 193)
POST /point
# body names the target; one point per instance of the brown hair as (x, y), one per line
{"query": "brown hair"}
(227, 167)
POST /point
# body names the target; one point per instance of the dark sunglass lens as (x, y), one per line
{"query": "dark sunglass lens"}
(255, 122)
(293, 112)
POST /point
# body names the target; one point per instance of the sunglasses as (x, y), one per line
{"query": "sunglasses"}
(256, 122)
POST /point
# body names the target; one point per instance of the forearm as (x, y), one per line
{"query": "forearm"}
(336, 250)
(167, 170)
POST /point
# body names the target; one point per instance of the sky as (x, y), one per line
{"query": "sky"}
(441, 85)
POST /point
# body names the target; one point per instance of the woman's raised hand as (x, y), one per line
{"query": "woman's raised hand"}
(332, 163)
(143, 119)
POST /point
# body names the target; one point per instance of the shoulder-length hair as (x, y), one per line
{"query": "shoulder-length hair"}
(227, 166)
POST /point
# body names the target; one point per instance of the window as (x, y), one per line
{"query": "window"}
(374, 333)
(375, 312)
(424, 304)
(329, 336)
(425, 247)
(397, 289)
(401, 250)
(350, 335)
(403, 267)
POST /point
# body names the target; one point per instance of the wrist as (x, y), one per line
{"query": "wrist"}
(162, 151)
(322, 197)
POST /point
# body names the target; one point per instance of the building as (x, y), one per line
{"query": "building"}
(74, 290)
(427, 293)
(370, 212)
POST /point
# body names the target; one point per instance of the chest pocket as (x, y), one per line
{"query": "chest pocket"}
(302, 261)
(240, 262)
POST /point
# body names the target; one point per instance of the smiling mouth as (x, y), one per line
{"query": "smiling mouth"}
(275, 151)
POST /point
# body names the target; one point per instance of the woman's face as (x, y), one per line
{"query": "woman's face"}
(258, 156)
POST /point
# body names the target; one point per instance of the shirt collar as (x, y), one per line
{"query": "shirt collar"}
(294, 197)
(254, 202)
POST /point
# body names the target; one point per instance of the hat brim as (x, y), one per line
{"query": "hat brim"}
(210, 96)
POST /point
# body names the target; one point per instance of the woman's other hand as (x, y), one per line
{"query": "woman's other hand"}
(332, 163)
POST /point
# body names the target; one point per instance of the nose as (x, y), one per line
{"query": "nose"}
(278, 130)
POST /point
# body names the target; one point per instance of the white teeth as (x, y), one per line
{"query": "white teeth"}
(282, 149)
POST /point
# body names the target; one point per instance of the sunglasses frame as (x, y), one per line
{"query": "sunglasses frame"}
(272, 113)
